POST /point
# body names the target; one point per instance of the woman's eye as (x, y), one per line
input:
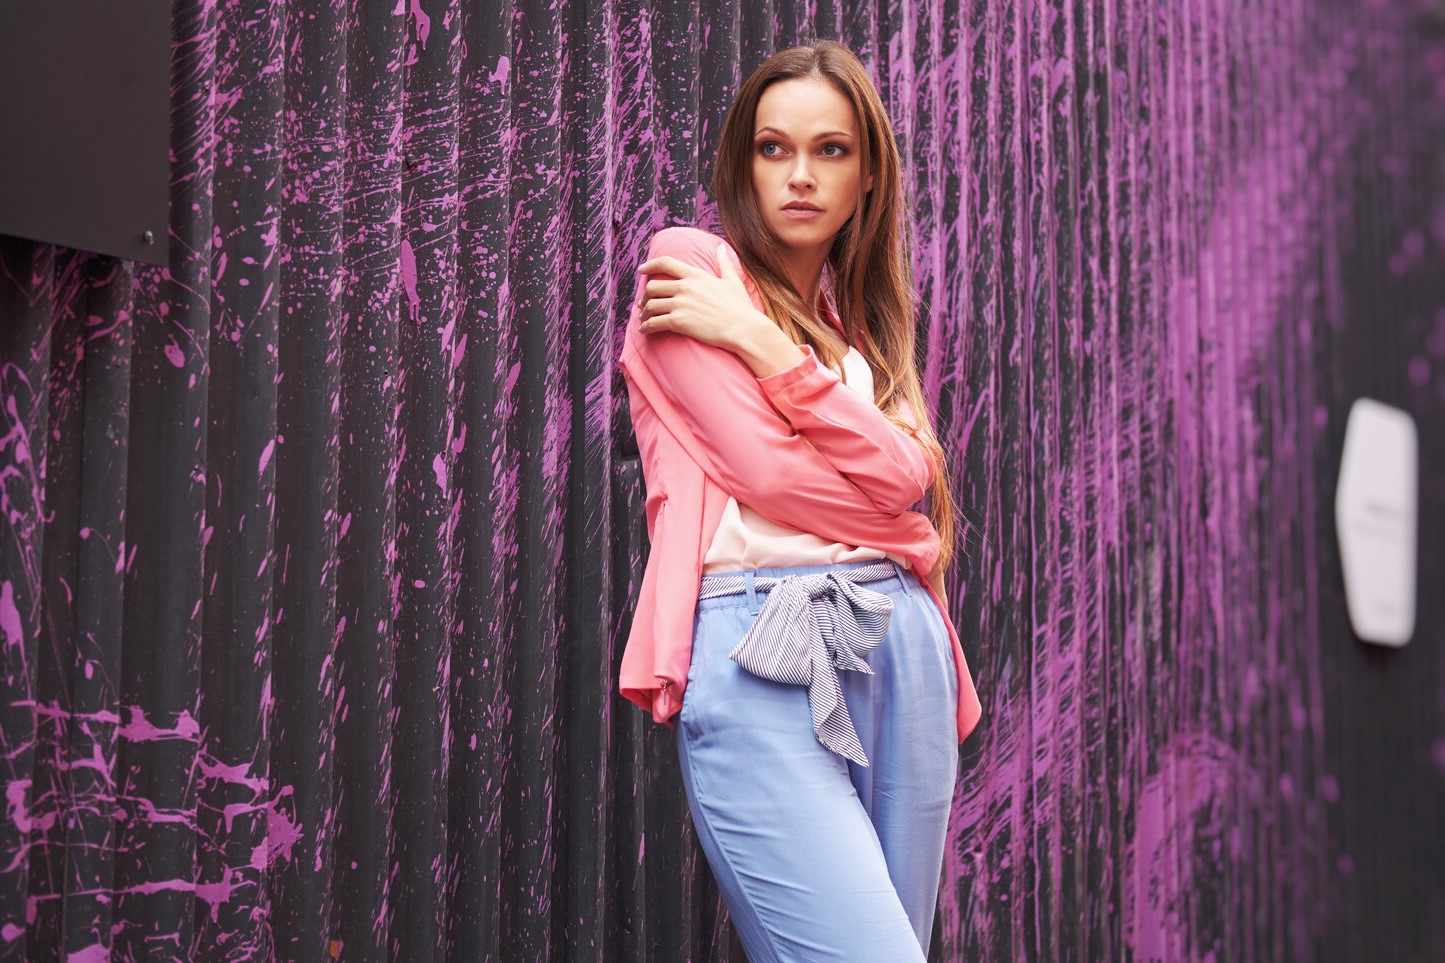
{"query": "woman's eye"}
(838, 150)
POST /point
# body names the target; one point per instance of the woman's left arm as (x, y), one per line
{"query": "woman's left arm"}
(839, 421)
(891, 468)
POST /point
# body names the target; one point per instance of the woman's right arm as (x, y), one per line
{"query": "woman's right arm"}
(707, 395)
(887, 465)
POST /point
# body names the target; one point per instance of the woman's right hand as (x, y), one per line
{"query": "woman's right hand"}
(714, 310)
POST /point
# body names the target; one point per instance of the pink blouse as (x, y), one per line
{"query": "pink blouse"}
(799, 446)
(746, 539)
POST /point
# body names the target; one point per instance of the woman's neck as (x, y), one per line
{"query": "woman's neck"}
(805, 271)
(807, 280)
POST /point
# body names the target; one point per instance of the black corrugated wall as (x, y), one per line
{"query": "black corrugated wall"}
(320, 543)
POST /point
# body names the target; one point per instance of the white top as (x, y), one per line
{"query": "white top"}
(746, 539)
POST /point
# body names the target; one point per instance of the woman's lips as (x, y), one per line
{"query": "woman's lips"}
(801, 213)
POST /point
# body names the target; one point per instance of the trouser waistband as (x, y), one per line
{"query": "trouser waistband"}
(810, 627)
(747, 583)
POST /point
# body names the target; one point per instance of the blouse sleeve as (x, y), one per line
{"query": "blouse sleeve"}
(888, 466)
(748, 447)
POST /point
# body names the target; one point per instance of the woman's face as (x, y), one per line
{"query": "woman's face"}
(805, 152)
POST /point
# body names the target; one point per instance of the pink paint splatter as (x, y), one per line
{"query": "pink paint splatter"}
(9, 615)
(503, 71)
(423, 22)
(239, 775)
(16, 794)
(141, 729)
(407, 267)
(282, 833)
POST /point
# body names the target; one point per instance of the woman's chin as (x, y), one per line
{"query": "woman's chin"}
(803, 236)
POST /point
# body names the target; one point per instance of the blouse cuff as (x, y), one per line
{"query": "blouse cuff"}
(782, 380)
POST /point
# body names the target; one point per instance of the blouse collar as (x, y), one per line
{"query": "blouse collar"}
(831, 313)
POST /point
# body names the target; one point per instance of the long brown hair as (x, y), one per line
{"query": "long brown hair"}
(870, 263)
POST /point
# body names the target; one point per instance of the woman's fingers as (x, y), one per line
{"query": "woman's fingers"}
(652, 307)
(664, 286)
(660, 288)
(691, 300)
(667, 264)
(725, 264)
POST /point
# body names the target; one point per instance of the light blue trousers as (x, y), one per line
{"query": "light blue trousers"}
(819, 858)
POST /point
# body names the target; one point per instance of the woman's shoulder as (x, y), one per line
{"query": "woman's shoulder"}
(686, 234)
(686, 243)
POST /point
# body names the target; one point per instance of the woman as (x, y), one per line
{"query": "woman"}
(791, 615)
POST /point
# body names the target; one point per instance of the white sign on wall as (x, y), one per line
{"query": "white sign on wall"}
(1375, 516)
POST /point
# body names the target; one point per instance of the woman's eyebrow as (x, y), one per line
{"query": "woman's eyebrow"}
(826, 133)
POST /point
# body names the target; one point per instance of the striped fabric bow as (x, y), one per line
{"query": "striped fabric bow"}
(810, 627)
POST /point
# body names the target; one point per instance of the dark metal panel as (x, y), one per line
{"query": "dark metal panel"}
(541, 248)
(101, 320)
(427, 429)
(85, 125)
(591, 602)
(165, 503)
(27, 300)
(363, 822)
(234, 805)
(487, 627)
(301, 849)
(50, 781)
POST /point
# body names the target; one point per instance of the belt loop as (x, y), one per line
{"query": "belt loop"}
(753, 606)
(898, 570)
